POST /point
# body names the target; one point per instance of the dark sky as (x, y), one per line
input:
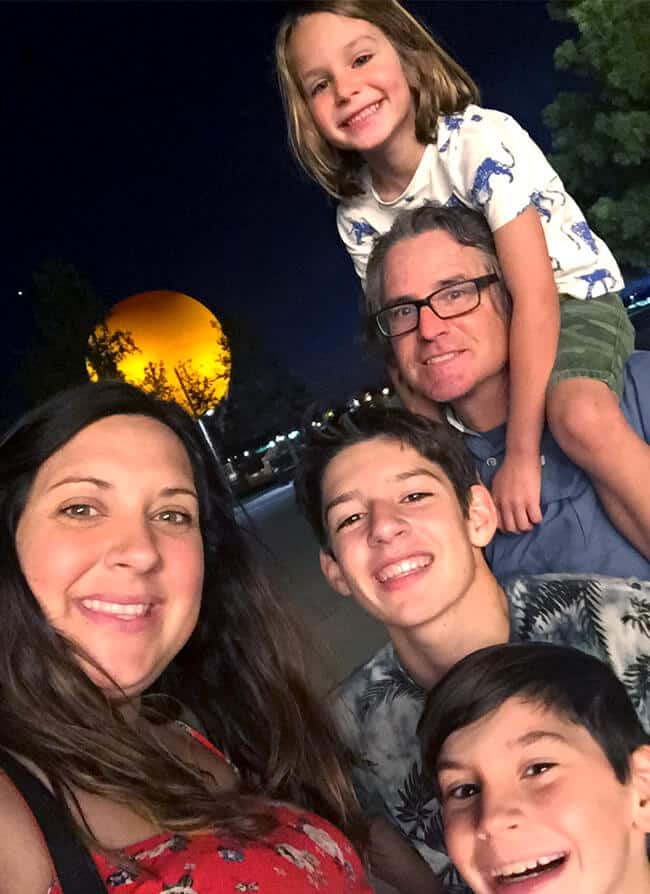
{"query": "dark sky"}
(144, 143)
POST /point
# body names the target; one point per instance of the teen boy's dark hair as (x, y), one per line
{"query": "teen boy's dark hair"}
(435, 441)
(575, 685)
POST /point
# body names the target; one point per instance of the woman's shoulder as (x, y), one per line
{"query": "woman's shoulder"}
(25, 863)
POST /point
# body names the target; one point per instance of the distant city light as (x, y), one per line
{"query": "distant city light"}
(355, 402)
(279, 438)
(293, 434)
(367, 396)
(385, 391)
(247, 453)
(20, 291)
(209, 413)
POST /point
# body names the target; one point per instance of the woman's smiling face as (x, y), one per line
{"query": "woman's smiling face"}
(110, 545)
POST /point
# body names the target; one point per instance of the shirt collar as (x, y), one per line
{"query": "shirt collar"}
(455, 422)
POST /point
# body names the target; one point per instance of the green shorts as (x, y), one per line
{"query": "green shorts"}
(596, 339)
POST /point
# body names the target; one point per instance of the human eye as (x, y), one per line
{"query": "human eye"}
(79, 511)
(361, 59)
(457, 293)
(317, 87)
(416, 497)
(538, 768)
(176, 517)
(400, 312)
(348, 521)
(461, 792)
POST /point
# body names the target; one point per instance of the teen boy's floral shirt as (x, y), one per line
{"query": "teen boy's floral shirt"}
(378, 706)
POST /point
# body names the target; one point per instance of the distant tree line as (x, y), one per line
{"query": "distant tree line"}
(601, 133)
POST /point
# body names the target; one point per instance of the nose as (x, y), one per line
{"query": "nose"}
(386, 522)
(430, 325)
(345, 87)
(499, 814)
(133, 545)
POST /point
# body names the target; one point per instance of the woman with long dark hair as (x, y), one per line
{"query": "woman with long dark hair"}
(129, 598)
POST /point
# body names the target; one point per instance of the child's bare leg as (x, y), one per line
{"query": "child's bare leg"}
(588, 424)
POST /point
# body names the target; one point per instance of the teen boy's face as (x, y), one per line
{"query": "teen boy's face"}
(531, 803)
(401, 544)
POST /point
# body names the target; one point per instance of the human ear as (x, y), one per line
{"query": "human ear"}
(481, 516)
(640, 777)
(332, 571)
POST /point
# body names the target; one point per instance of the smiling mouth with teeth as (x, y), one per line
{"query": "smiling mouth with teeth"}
(368, 112)
(399, 569)
(125, 612)
(521, 872)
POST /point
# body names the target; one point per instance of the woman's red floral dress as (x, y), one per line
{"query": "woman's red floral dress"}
(302, 853)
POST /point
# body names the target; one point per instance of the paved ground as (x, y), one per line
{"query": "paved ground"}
(343, 636)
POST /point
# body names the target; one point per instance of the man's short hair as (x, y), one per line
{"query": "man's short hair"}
(573, 684)
(436, 441)
(464, 225)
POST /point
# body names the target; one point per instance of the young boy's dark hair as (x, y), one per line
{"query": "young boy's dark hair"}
(575, 685)
(436, 441)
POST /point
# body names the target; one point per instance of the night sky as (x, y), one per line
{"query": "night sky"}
(144, 143)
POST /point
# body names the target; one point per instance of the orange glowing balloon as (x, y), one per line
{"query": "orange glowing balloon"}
(164, 342)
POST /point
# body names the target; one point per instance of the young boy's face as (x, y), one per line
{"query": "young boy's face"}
(531, 803)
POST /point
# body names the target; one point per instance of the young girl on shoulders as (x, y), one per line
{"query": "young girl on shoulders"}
(385, 120)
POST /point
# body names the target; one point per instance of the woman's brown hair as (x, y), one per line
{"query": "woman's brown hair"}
(438, 84)
(240, 672)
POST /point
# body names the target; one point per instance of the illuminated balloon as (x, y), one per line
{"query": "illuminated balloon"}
(164, 342)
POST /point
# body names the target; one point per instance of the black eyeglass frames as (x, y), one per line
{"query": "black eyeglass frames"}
(451, 301)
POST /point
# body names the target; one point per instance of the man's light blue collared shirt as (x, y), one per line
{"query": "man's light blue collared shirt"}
(576, 535)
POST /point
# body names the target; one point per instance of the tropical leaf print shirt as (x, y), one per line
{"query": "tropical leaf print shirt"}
(483, 159)
(378, 706)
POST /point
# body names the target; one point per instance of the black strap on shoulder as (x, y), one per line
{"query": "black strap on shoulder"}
(75, 870)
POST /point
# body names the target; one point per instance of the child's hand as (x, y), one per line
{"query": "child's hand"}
(516, 491)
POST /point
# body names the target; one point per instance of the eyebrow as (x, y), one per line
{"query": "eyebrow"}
(529, 738)
(347, 46)
(106, 485)
(440, 284)
(535, 735)
(401, 476)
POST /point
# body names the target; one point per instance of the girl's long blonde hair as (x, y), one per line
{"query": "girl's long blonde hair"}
(438, 84)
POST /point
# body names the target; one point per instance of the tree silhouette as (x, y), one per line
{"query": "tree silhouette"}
(265, 397)
(202, 392)
(155, 380)
(65, 308)
(107, 348)
(601, 136)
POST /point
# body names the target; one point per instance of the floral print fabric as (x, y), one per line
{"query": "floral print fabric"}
(303, 853)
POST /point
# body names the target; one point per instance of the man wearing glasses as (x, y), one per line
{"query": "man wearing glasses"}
(437, 307)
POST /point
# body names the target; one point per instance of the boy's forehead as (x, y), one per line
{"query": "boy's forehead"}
(517, 724)
(374, 463)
